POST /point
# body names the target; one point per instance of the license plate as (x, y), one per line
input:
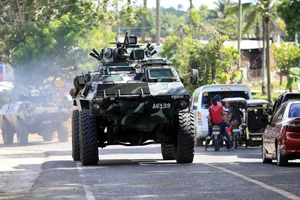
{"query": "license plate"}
(215, 132)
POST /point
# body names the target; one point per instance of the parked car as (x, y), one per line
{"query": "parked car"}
(281, 140)
(287, 96)
(200, 102)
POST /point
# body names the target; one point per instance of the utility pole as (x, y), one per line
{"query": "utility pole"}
(239, 33)
(157, 39)
(129, 26)
(190, 14)
(144, 22)
(117, 12)
(263, 75)
(267, 17)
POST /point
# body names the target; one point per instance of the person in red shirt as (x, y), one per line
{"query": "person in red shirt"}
(215, 116)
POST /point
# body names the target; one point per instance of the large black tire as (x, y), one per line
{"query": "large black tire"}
(168, 151)
(263, 155)
(281, 159)
(75, 135)
(47, 136)
(185, 138)
(7, 133)
(216, 144)
(63, 133)
(22, 132)
(76, 83)
(88, 139)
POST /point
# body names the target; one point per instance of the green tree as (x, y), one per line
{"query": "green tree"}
(211, 59)
(223, 19)
(129, 15)
(287, 57)
(288, 10)
(41, 38)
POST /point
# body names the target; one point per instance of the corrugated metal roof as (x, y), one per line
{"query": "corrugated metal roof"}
(246, 44)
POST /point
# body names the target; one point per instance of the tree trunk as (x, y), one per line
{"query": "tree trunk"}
(158, 23)
(280, 81)
(144, 22)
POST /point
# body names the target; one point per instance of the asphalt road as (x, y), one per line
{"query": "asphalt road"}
(45, 170)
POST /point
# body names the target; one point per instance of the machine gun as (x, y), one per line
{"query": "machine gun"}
(120, 54)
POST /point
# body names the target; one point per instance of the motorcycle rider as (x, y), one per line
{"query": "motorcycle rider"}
(215, 117)
(235, 115)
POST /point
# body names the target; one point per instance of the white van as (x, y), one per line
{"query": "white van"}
(200, 101)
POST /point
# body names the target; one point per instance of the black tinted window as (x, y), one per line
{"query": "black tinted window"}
(291, 97)
(294, 110)
(206, 96)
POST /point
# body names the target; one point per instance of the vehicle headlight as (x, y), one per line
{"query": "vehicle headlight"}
(183, 104)
(96, 106)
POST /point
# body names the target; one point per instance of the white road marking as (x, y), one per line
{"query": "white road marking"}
(88, 193)
(269, 187)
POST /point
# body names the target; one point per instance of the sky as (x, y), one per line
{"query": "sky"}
(184, 3)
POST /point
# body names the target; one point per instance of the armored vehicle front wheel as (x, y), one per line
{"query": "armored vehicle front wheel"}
(168, 151)
(185, 138)
(75, 135)
(7, 133)
(22, 132)
(88, 139)
(47, 136)
(63, 133)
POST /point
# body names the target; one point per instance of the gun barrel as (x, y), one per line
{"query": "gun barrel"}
(95, 56)
(96, 52)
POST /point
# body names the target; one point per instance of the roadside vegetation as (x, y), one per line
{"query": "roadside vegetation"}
(41, 38)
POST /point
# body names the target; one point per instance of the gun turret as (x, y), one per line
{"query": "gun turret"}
(120, 52)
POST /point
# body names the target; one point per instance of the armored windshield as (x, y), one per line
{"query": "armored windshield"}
(161, 73)
(109, 78)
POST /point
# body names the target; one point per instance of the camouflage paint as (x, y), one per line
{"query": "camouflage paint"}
(125, 104)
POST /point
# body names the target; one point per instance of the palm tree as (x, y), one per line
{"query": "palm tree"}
(264, 19)
(254, 17)
(222, 8)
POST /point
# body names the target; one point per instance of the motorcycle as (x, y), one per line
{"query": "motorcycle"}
(235, 132)
(235, 129)
(217, 136)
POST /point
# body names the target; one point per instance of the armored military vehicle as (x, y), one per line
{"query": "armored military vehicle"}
(131, 100)
(33, 113)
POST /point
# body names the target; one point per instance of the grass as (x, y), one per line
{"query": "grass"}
(259, 95)
(276, 85)
(255, 87)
